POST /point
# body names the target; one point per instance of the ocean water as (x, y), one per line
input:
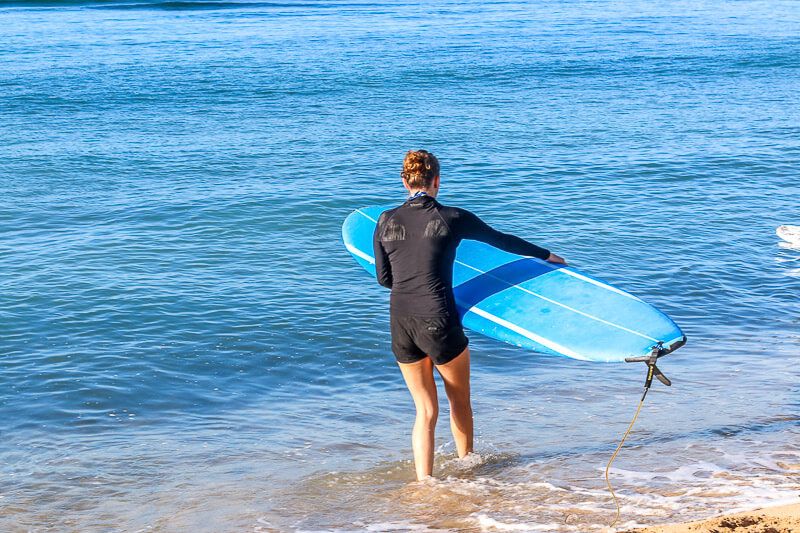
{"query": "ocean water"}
(185, 344)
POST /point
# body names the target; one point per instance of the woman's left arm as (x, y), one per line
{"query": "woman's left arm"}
(472, 227)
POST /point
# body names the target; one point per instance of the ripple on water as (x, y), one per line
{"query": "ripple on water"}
(184, 342)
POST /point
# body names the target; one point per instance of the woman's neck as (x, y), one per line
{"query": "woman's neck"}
(420, 192)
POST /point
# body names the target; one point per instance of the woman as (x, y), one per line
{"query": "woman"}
(415, 247)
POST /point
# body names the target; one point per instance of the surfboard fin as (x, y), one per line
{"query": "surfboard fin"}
(652, 370)
(661, 377)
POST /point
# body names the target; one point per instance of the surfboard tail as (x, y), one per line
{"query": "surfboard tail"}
(658, 351)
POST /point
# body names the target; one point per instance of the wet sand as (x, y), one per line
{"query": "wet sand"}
(782, 519)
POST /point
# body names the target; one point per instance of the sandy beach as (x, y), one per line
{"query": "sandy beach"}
(780, 519)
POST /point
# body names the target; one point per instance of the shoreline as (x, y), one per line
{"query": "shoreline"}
(782, 518)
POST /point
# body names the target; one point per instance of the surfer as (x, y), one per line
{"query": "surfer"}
(415, 247)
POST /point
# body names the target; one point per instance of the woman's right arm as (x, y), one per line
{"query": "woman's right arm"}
(383, 269)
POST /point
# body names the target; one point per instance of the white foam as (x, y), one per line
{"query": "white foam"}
(487, 523)
(789, 233)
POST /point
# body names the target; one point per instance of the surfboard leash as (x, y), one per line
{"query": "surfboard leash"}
(652, 371)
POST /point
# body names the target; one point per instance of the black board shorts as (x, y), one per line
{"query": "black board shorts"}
(415, 337)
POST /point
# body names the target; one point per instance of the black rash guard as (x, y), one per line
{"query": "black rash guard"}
(415, 247)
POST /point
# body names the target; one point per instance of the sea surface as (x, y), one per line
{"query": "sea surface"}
(185, 344)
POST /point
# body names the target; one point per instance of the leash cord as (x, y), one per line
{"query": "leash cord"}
(614, 456)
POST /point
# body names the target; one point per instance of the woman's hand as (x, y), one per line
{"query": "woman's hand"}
(557, 259)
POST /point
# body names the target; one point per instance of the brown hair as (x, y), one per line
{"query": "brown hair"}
(419, 168)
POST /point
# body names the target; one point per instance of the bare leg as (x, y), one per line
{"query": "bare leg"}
(419, 379)
(455, 374)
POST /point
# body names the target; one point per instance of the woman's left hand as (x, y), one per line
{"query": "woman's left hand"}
(557, 259)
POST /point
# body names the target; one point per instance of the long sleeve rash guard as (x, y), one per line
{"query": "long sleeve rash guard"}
(415, 247)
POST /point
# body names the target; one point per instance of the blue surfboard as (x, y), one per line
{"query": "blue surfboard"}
(537, 305)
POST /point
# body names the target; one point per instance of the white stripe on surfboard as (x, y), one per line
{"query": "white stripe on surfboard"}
(565, 306)
(525, 333)
(355, 251)
(590, 280)
(561, 270)
(366, 215)
(575, 274)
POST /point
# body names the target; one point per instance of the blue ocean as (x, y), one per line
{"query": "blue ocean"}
(186, 345)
